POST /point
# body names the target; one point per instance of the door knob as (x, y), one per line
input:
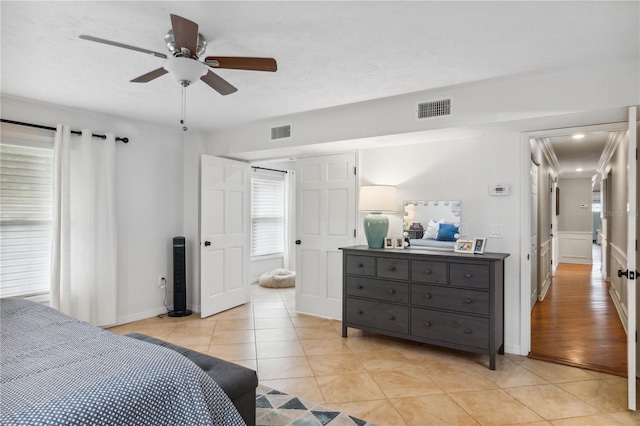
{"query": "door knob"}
(207, 243)
(629, 274)
(298, 242)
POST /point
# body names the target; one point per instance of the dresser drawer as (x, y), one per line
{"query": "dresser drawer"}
(378, 289)
(393, 268)
(466, 275)
(384, 316)
(452, 328)
(360, 265)
(453, 299)
(429, 272)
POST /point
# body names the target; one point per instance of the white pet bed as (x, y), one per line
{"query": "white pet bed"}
(278, 278)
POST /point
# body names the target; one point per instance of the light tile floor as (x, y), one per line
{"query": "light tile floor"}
(391, 381)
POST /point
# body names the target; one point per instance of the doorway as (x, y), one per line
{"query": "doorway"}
(575, 321)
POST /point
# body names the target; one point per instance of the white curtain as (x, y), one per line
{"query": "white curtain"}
(289, 260)
(84, 253)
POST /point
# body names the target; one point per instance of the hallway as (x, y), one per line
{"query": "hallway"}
(577, 323)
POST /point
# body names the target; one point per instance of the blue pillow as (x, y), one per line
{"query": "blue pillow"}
(447, 232)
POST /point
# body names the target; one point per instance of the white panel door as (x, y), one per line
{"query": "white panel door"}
(224, 234)
(325, 221)
(632, 257)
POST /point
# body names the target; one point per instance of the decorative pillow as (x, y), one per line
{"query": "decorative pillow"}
(432, 230)
(447, 232)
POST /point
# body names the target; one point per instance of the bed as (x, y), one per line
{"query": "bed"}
(59, 370)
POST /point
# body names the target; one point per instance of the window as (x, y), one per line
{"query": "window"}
(26, 177)
(267, 216)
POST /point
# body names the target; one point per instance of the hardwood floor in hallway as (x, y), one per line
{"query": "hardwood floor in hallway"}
(577, 323)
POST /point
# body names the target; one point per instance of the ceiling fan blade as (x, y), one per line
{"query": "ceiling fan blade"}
(185, 33)
(150, 76)
(218, 83)
(124, 46)
(240, 63)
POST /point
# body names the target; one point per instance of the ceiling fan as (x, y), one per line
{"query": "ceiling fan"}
(186, 46)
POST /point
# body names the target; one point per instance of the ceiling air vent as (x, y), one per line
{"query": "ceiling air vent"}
(281, 132)
(434, 108)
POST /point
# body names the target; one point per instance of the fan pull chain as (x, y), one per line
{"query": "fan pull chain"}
(183, 121)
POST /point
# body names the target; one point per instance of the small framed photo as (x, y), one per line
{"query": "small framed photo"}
(464, 246)
(478, 245)
(399, 242)
(388, 242)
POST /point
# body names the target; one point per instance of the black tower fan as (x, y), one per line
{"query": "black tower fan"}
(179, 279)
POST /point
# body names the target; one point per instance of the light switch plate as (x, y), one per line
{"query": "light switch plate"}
(495, 231)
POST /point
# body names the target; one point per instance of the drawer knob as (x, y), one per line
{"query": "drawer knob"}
(467, 275)
(360, 287)
(427, 272)
(427, 296)
(468, 301)
(427, 324)
(392, 318)
(360, 265)
(392, 268)
(392, 291)
(360, 312)
(467, 331)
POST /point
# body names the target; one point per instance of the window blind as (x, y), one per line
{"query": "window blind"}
(267, 216)
(26, 177)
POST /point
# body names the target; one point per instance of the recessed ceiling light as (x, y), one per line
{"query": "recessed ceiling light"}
(578, 136)
(578, 169)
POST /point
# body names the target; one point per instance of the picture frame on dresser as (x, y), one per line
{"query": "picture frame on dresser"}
(479, 245)
(388, 243)
(464, 246)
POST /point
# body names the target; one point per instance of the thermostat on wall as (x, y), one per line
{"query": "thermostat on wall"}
(499, 189)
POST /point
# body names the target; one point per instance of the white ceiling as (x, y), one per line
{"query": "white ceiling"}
(328, 53)
(575, 154)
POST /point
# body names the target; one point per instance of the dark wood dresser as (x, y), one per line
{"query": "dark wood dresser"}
(442, 298)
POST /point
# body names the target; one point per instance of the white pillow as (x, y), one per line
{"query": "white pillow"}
(432, 230)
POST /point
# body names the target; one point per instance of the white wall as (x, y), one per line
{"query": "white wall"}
(460, 170)
(149, 198)
(476, 108)
(481, 138)
(193, 144)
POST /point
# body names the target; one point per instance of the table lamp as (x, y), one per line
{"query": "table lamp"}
(376, 199)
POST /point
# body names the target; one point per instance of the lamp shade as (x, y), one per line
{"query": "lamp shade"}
(378, 198)
(185, 69)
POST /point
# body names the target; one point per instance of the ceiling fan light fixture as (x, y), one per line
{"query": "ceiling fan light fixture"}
(185, 69)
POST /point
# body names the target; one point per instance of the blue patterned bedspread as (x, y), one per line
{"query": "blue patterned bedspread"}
(58, 370)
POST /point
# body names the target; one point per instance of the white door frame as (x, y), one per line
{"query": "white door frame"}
(632, 238)
(525, 218)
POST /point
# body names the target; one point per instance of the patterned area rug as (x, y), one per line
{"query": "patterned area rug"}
(275, 408)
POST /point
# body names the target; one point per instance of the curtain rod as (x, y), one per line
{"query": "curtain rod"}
(75, 132)
(271, 170)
